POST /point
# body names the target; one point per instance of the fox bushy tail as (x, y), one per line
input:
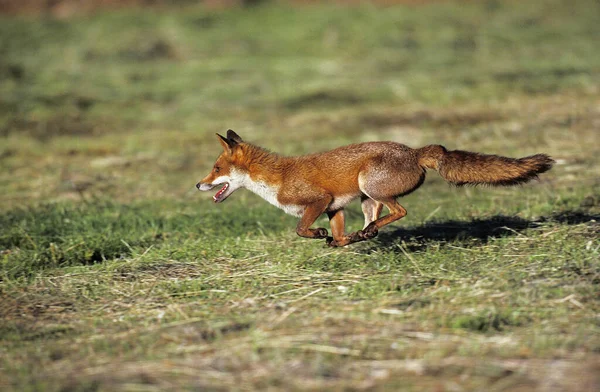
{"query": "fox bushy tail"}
(471, 168)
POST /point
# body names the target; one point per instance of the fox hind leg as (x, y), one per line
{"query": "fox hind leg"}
(337, 223)
(371, 209)
(372, 229)
(396, 212)
(383, 185)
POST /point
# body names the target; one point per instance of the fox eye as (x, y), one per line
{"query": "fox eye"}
(217, 169)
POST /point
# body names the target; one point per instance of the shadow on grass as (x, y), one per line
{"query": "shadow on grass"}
(479, 230)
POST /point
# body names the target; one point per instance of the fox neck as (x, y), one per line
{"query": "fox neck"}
(263, 176)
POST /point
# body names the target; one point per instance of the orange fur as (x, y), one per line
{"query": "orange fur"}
(377, 172)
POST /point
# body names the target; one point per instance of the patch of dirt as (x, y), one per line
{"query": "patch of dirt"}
(34, 309)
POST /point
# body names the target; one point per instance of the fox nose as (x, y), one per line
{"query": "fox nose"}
(198, 186)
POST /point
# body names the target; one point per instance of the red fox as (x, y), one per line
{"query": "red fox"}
(377, 172)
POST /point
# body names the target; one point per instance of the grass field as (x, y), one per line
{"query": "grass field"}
(116, 274)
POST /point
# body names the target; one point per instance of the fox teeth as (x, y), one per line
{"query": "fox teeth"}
(220, 193)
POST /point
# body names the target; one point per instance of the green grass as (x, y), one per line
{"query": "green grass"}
(116, 274)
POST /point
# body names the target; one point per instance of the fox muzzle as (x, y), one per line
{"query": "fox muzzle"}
(204, 186)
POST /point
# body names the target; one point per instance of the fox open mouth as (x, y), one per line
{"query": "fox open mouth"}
(220, 196)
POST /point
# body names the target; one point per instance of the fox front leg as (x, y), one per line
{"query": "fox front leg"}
(311, 213)
(337, 221)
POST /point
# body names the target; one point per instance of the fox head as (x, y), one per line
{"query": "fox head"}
(226, 171)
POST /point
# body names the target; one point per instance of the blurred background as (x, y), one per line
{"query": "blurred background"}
(122, 98)
(117, 274)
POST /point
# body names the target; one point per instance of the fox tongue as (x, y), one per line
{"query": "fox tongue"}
(217, 197)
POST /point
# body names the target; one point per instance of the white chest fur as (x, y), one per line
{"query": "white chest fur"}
(269, 193)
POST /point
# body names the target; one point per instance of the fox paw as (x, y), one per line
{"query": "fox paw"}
(320, 233)
(369, 232)
(331, 242)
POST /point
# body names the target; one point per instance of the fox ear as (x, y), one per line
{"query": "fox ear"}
(228, 144)
(234, 136)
